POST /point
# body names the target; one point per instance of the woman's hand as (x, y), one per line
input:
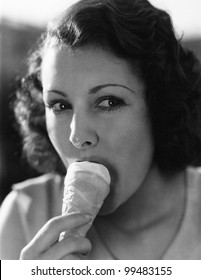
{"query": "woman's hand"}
(45, 245)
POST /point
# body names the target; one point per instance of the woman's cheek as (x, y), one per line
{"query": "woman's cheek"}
(52, 128)
(58, 135)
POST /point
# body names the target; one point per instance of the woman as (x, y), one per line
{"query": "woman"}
(110, 83)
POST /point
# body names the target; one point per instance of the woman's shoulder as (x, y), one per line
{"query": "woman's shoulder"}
(34, 201)
(35, 187)
(193, 178)
(40, 183)
(39, 191)
(26, 209)
(194, 170)
(187, 243)
(36, 193)
(43, 193)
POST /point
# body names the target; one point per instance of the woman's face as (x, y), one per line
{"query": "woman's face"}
(96, 111)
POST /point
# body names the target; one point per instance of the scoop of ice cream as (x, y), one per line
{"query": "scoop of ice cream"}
(86, 185)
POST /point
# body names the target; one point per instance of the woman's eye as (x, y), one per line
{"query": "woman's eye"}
(111, 103)
(59, 106)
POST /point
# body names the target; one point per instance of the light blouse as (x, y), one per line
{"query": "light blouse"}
(33, 202)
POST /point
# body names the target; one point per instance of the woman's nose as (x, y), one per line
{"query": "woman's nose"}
(82, 134)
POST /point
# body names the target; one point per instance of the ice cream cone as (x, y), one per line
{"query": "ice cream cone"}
(86, 187)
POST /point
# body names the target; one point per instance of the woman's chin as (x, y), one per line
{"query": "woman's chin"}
(107, 208)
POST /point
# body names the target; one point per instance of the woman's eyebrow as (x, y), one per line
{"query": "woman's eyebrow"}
(56, 91)
(93, 90)
(99, 87)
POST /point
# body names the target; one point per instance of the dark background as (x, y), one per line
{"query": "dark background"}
(16, 42)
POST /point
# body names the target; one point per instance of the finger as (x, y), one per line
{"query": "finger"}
(68, 246)
(49, 233)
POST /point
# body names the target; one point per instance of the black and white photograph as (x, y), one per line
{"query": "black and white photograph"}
(100, 130)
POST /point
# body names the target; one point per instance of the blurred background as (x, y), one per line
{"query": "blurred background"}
(21, 24)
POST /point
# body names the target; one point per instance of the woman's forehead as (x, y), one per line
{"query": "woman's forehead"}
(85, 65)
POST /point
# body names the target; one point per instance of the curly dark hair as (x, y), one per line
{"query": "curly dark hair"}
(144, 36)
